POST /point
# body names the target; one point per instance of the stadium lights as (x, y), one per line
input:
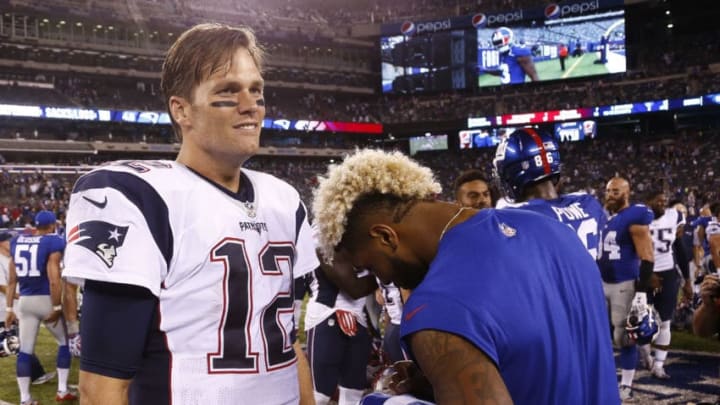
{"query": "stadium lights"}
(79, 24)
(62, 22)
(110, 28)
(667, 12)
(98, 26)
(670, 25)
(45, 20)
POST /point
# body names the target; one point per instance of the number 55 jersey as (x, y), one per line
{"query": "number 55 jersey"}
(221, 265)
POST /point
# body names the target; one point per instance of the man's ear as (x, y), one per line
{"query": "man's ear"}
(385, 235)
(179, 110)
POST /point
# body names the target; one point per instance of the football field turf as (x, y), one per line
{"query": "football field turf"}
(550, 70)
(695, 375)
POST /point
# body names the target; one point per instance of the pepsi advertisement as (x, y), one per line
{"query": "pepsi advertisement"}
(562, 40)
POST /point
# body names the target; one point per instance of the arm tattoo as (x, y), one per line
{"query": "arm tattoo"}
(459, 372)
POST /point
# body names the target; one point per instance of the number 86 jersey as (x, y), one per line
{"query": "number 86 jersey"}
(220, 263)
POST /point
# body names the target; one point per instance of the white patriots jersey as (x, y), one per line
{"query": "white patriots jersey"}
(393, 302)
(664, 231)
(325, 298)
(4, 274)
(221, 264)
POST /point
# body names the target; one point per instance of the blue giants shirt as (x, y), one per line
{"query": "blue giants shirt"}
(701, 222)
(582, 212)
(619, 260)
(512, 71)
(30, 255)
(521, 287)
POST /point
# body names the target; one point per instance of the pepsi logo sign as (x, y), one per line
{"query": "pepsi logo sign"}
(479, 20)
(407, 28)
(552, 11)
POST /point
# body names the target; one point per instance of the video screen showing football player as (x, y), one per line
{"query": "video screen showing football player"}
(516, 61)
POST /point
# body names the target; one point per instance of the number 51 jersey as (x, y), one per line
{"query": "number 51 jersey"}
(220, 263)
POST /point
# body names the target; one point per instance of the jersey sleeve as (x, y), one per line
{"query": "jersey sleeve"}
(641, 215)
(423, 312)
(680, 218)
(118, 231)
(57, 244)
(306, 260)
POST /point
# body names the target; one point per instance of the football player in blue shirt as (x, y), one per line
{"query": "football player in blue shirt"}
(627, 255)
(516, 61)
(35, 266)
(538, 332)
(527, 165)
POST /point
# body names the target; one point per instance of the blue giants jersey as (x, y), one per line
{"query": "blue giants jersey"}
(619, 260)
(512, 71)
(30, 255)
(521, 287)
(701, 222)
(582, 212)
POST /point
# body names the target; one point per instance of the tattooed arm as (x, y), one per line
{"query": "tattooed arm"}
(459, 372)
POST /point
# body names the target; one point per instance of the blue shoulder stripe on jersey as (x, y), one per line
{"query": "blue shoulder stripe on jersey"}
(145, 198)
(300, 215)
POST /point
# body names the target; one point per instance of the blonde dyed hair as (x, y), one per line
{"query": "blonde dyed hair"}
(365, 172)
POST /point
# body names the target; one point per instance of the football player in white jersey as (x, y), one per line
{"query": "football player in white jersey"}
(188, 265)
(666, 227)
(338, 340)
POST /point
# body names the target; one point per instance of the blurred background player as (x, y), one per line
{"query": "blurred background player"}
(35, 266)
(562, 55)
(712, 232)
(527, 166)
(338, 341)
(516, 61)
(701, 251)
(626, 256)
(473, 190)
(38, 374)
(665, 229)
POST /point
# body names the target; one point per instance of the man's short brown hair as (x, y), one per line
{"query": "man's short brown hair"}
(197, 54)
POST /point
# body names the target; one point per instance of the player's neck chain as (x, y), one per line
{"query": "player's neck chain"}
(454, 217)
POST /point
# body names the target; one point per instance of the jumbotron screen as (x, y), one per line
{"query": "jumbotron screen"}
(562, 40)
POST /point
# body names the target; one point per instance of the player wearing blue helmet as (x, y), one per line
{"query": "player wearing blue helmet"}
(526, 166)
(516, 61)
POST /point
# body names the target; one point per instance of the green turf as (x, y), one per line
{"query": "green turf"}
(46, 350)
(550, 70)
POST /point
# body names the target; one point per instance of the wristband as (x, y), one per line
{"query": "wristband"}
(9, 309)
(646, 271)
(57, 307)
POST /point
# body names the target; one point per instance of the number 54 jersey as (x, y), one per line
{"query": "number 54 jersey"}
(220, 263)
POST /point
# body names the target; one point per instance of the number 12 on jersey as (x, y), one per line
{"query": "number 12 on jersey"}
(236, 352)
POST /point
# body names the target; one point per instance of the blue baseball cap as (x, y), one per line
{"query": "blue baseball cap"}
(44, 217)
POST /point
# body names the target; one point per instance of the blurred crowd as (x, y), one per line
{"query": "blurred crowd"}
(686, 165)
